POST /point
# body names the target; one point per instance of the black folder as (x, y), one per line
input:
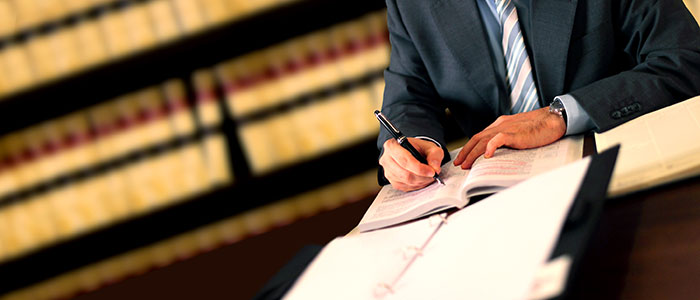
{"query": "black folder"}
(585, 213)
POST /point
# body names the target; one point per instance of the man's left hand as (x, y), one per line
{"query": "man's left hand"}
(520, 131)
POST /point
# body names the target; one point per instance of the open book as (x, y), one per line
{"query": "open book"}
(656, 148)
(487, 176)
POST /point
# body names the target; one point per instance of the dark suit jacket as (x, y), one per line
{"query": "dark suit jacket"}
(619, 59)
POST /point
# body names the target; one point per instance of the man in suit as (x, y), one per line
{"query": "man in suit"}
(524, 73)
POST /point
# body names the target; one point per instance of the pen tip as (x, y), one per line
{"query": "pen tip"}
(439, 180)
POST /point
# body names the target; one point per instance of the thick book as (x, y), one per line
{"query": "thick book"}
(657, 148)
(487, 176)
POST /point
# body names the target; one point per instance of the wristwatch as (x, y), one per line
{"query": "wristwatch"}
(557, 107)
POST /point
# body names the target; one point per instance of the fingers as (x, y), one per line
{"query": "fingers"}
(460, 156)
(403, 171)
(476, 139)
(520, 131)
(498, 121)
(477, 151)
(497, 141)
(466, 149)
(401, 178)
(404, 159)
(407, 188)
(434, 156)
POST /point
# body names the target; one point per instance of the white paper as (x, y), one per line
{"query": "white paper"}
(655, 148)
(493, 249)
(353, 267)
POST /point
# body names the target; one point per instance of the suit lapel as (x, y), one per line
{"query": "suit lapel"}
(551, 24)
(462, 30)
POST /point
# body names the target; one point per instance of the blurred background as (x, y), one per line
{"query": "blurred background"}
(182, 148)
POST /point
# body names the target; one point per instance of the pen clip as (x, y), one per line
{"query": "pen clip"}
(385, 122)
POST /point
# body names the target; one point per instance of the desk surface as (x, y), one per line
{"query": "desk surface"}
(647, 245)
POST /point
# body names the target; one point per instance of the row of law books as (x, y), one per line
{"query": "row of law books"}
(115, 160)
(201, 240)
(36, 45)
(332, 122)
(104, 164)
(19, 15)
(309, 95)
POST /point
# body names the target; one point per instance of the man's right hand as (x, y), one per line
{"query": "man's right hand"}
(406, 173)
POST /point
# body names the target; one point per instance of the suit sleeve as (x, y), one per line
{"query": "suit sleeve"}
(410, 99)
(662, 40)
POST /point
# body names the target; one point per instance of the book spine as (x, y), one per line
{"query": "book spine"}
(162, 15)
(190, 159)
(18, 68)
(8, 21)
(42, 56)
(139, 27)
(49, 10)
(189, 15)
(77, 5)
(216, 11)
(207, 99)
(66, 53)
(114, 29)
(27, 13)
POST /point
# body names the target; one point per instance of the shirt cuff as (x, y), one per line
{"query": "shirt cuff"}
(427, 138)
(577, 119)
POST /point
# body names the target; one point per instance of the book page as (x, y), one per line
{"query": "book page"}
(392, 206)
(655, 148)
(509, 166)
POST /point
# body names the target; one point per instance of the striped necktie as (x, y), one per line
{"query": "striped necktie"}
(523, 93)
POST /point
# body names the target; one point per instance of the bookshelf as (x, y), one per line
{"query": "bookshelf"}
(95, 91)
(144, 230)
(150, 67)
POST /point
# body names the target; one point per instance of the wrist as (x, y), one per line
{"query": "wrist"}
(557, 108)
(427, 138)
(555, 120)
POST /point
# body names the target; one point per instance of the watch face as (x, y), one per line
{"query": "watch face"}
(556, 104)
(558, 107)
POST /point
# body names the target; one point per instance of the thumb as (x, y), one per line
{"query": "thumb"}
(434, 157)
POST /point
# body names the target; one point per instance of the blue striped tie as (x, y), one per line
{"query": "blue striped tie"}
(523, 93)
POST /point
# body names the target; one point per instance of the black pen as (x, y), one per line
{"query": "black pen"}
(403, 141)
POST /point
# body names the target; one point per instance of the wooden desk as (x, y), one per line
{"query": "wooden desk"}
(647, 246)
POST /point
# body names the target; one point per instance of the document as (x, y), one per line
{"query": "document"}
(656, 148)
(493, 250)
(487, 176)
